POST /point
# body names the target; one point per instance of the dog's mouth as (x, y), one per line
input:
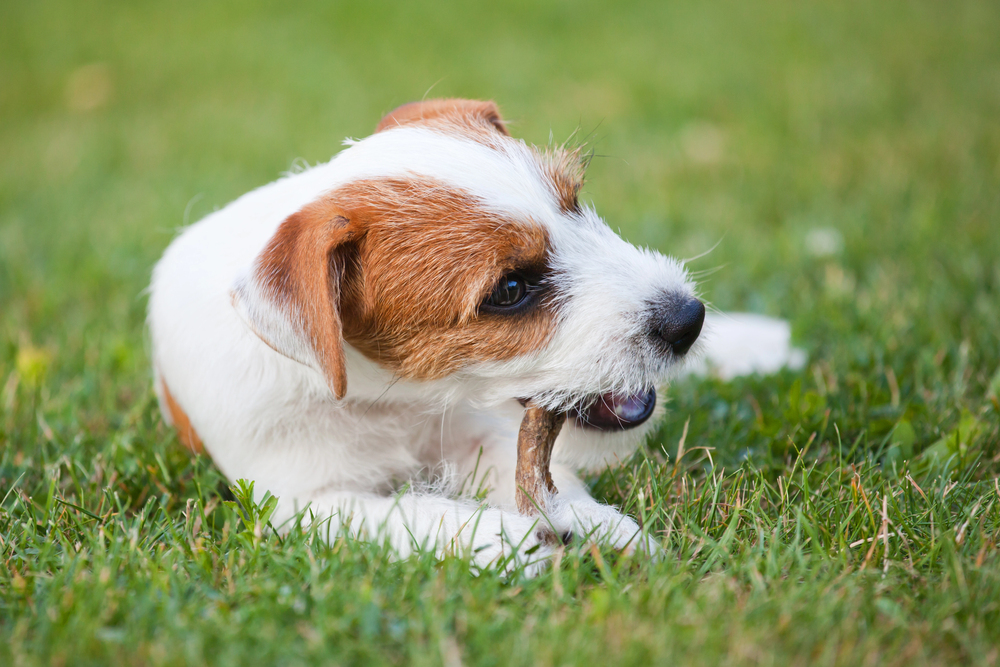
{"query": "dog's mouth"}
(614, 412)
(611, 412)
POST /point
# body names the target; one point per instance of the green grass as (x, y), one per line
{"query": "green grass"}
(847, 514)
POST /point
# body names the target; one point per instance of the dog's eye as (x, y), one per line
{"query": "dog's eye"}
(510, 291)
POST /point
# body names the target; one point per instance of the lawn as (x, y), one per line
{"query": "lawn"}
(833, 163)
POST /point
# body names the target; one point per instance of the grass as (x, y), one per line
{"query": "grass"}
(842, 158)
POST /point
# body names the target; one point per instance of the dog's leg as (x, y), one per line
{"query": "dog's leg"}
(734, 344)
(572, 513)
(412, 522)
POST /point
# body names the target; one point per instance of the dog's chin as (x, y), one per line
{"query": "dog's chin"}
(611, 412)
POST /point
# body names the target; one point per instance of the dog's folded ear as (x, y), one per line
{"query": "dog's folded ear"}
(485, 114)
(291, 296)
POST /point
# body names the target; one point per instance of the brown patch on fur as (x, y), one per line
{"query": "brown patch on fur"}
(565, 169)
(301, 268)
(399, 268)
(185, 431)
(471, 117)
(429, 257)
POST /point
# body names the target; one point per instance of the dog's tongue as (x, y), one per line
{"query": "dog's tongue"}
(611, 412)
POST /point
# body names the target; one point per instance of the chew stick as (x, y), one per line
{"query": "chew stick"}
(535, 439)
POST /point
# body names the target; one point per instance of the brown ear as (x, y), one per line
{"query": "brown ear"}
(461, 111)
(291, 297)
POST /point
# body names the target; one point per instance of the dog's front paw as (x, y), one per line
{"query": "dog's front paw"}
(602, 524)
(510, 542)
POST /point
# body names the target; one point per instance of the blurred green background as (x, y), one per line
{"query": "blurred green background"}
(840, 160)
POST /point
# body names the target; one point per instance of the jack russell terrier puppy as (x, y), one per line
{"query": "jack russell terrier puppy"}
(345, 330)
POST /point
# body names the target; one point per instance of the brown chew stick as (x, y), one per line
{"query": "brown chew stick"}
(539, 429)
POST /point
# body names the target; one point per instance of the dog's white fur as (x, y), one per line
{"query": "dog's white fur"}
(271, 417)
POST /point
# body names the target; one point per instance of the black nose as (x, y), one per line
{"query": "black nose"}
(681, 325)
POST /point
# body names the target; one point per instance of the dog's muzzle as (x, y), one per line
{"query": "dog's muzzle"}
(677, 323)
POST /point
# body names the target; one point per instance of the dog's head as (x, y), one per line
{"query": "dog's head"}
(450, 254)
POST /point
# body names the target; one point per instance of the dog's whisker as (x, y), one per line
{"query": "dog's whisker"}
(707, 252)
(703, 273)
(392, 383)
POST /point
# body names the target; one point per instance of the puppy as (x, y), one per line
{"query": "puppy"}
(383, 317)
